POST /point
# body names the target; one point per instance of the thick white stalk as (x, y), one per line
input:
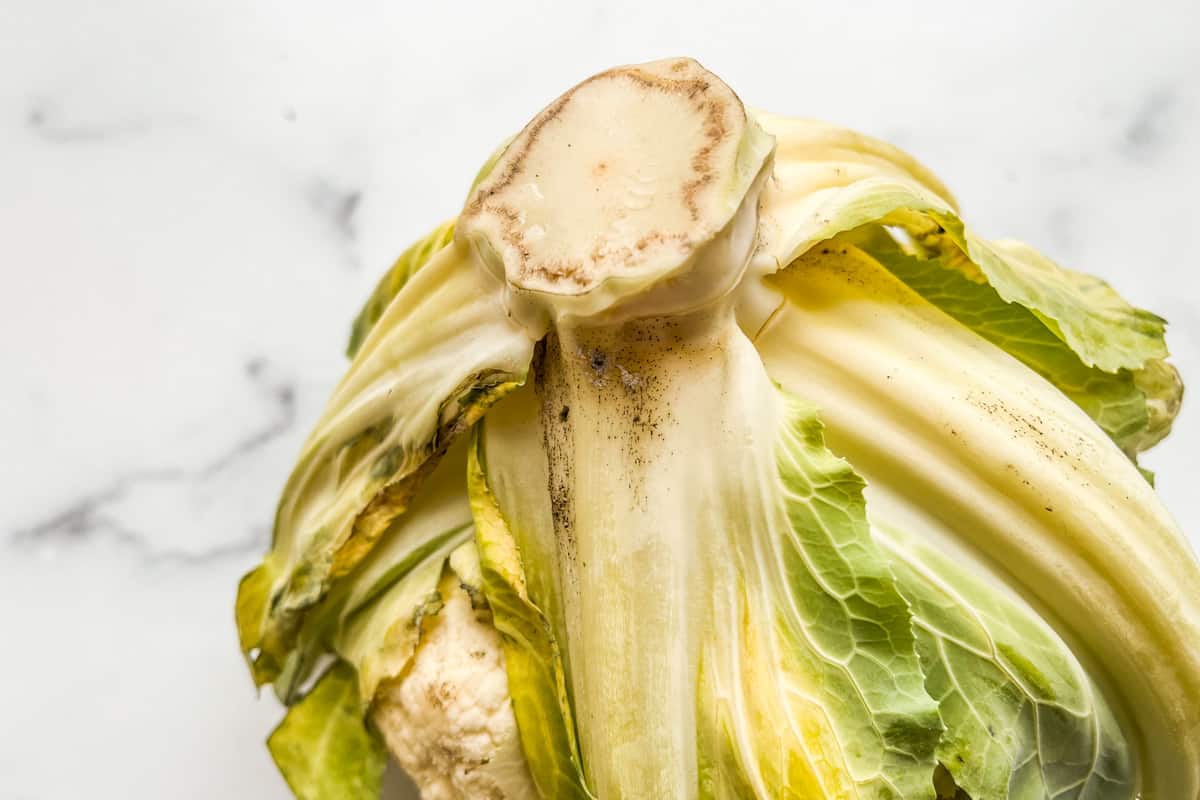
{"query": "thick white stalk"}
(622, 410)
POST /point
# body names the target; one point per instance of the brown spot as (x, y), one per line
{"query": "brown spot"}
(556, 271)
(440, 695)
(604, 251)
(557, 439)
(702, 160)
(657, 237)
(510, 222)
(467, 404)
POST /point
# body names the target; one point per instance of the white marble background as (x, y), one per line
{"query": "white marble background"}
(196, 196)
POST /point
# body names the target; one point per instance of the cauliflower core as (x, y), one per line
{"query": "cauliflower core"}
(448, 720)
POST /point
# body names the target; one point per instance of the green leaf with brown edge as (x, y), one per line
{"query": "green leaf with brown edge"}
(441, 354)
(479, 393)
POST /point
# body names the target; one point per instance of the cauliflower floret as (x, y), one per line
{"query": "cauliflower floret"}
(448, 719)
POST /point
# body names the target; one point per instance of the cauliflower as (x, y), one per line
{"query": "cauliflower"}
(779, 480)
(448, 719)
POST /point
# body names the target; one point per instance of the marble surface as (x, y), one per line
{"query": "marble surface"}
(195, 197)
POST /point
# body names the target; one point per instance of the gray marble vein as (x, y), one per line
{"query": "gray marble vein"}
(1149, 129)
(95, 515)
(338, 207)
(47, 124)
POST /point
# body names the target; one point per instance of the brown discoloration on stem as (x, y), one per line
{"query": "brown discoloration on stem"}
(477, 394)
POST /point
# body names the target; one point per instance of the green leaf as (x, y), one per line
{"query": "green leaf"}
(812, 156)
(960, 443)
(799, 217)
(324, 747)
(851, 625)
(442, 353)
(1113, 400)
(439, 518)
(1162, 387)
(1023, 720)
(253, 600)
(1083, 311)
(394, 280)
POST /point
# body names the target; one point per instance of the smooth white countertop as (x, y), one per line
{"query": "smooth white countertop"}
(196, 197)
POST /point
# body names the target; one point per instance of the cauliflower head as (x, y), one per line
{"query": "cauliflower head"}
(448, 719)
